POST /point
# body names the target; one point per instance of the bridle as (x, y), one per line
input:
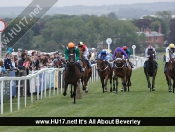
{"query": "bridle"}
(120, 59)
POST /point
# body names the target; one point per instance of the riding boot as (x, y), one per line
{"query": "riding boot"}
(165, 67)
(88, 63)
(131, 64)
(108, 64)
(80, 67)
(156, 64)
(65, 67)
(144, 65)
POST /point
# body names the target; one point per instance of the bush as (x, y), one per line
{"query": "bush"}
(160, 50)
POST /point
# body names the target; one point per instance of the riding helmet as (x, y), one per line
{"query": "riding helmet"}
(124, 48)
(71, 45)
(103, 52)
(171, 45)
(80, 44)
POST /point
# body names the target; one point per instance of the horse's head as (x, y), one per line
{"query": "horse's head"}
(119, 60)
(81, 55)
(71, 58)
(171, 64)
(151, 54)
(100, 64)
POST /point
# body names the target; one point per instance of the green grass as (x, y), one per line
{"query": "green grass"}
(139, 102)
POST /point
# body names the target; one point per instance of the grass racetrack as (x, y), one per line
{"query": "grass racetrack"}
(139, 102)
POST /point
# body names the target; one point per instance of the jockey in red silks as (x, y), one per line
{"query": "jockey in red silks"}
(83, 48)
(119, 49)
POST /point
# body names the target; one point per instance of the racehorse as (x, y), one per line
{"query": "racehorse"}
(150, 70)
(105, 73)
(170, 74)
(128, 74)
(72, 75)
(120, 70)
(87, 73)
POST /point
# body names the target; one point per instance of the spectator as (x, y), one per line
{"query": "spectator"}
(19, 55)
(8, 62)
(26, 52)
(35, 63)
(2, 67)
(21, 61)
(26, 63)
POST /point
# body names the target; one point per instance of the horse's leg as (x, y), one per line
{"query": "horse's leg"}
(111, 81)
(82, 82)
(71, 94)
(102, 83)
(114, 83)
(116, 89)
(147, 77)
(74, 93)
(65, 89)
(153, 82)
(169, 84)
(124, 83)
(85, 83)
(128, 83)
(89, 75)
(106, 83)
(173, 85)
(148, 80)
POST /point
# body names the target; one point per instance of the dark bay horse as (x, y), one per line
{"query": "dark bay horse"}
(72, 75)
(128, 75)
(150, 71)
(87, 73)
(120, 71)
(170, 74)
(105, 73)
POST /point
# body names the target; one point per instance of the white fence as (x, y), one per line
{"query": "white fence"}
(43, 80)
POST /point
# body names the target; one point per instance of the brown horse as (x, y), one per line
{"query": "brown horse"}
(120, 70)
(87, 72)
(105, 73)
(72, 75)
(170, 74)
(150, 71)
(128, 74)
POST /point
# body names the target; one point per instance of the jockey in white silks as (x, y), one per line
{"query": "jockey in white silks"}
(150, 48)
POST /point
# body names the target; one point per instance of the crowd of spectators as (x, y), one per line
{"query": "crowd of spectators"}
(35, 61)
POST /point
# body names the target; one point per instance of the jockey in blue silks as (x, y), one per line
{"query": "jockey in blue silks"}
(105, 56)
(119, 49)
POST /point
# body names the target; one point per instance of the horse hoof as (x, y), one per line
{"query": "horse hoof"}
(74, 102)
(122, 90)
(170, 90)
(116, 92)
(86, 91)
(110, 90)
(71, 96)
(153, 89)
(64, 94)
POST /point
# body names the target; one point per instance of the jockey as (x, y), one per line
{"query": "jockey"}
(148, 49)
(169, 53)
(128, 52)
(105, 55)
(71, 46)
(82, 47)
(118, 49)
